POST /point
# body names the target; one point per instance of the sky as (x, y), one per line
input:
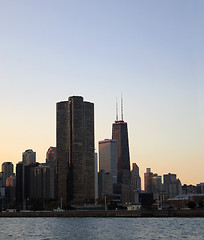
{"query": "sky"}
(150, 51)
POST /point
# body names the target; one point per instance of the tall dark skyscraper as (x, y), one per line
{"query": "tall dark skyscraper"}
(75, 151)
(120, 134)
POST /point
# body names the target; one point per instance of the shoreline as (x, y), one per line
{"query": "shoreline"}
(108, 213)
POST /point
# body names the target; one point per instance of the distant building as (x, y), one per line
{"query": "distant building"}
(188, 189)
(172, 185)
(51, 157)
(20, 185)
(105, 184)
(135, 183)
(7, 171)
(28, 157)
(200, 187)
(108, 157)
(148, 180)
(120, 134)
(135, 177)
(152, 183)
(11, 181)
(75, 151)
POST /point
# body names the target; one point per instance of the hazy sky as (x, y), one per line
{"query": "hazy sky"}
(151, 51)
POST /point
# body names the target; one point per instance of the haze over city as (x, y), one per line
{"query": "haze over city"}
(151, 51)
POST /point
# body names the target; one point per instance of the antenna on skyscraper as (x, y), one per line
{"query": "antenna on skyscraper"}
(116, 110)
(121, 107)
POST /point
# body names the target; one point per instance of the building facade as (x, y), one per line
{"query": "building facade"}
(75, 151)
(108, 157)
(7, 171)
(29, 157)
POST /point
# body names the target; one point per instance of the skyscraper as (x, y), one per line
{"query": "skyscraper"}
(108, 157)
(120, 134)
(75, 151)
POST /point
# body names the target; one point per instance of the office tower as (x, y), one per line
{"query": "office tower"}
(108, 157)
(29, 157)
(120, 134)
(75, 151)
(7, 171)
(172, 185)
(51, 159)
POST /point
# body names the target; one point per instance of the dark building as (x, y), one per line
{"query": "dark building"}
(75, 151)
(105, 184)
(120, 134)
(19, 185)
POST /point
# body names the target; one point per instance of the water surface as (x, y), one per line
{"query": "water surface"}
(101, 228)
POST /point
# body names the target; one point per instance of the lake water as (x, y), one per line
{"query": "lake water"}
(101, 228)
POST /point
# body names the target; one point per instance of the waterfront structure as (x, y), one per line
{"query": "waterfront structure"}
(108, 157)
(7, 171)
(75, 151)
(28, 157)
(172, 185)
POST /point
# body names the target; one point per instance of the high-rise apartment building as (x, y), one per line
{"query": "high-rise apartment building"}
(108, 157)
(75, 151)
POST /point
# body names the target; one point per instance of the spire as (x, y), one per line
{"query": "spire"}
(116, 110)
(121, 107)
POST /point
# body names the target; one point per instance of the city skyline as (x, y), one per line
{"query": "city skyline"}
(152, 52)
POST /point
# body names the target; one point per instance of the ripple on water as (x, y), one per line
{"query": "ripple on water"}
(101, 228)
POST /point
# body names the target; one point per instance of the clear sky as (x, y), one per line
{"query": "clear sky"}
(151, 51)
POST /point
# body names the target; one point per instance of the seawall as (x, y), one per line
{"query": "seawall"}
(109, 213)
